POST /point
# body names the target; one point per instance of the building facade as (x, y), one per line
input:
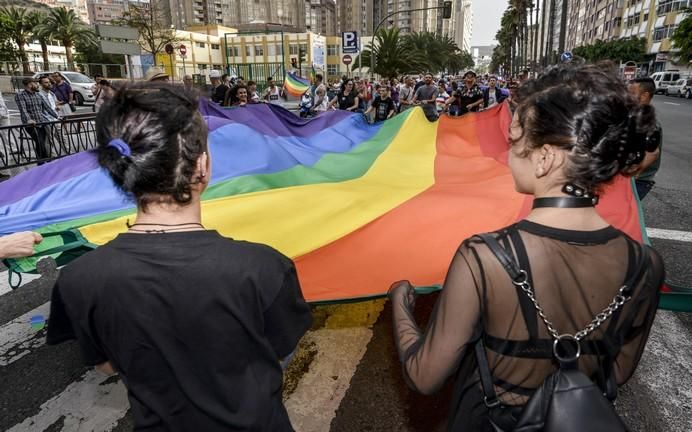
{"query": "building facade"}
(321, 17)
(357, 15)
(462, 24)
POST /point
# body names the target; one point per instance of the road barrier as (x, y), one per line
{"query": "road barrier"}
(27, 144)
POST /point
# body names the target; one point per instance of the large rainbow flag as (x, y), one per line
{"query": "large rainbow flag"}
(357, 206)
(295, 85)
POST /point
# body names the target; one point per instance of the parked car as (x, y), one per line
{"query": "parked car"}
(664, 79)
(686, 90)
(82, 85)
(676, 89)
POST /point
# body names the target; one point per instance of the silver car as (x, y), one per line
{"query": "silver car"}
(82, 85)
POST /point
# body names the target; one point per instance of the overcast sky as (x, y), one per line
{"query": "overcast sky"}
(486, 20)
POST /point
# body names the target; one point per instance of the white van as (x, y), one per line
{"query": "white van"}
(664, 79)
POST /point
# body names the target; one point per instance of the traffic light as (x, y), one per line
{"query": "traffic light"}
(294, 62)
(446, 10)
(302, 56)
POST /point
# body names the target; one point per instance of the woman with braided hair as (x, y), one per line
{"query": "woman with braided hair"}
(195, 324)
(575, 128)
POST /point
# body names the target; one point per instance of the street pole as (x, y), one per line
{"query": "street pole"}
(377, 27)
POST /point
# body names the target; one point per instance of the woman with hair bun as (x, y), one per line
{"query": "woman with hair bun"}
(195, 324)
(574, 130)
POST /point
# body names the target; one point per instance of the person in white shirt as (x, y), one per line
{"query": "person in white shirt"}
(272, 93)
(252, 95)
(321, 101)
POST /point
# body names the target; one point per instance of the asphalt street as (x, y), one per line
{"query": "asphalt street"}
(346, 375)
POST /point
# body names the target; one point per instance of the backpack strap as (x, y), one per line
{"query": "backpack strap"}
(489, 394)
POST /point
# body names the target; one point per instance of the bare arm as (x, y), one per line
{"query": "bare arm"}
(105, 368)
(19, 244)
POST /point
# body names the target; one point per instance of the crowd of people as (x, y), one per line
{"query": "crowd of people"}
(182, 330)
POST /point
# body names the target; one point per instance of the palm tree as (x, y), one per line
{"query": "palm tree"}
(20, 32)
(64, 25)
(37, 21)
(392, 56)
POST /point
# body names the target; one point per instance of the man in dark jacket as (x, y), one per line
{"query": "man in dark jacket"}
(218, 88)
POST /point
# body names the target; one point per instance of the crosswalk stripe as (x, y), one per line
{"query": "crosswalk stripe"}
(94, 403)
(341, 345)
(665, 234)
(18, 339)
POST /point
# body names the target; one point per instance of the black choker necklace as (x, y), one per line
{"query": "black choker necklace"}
(580, 198)
(173, 227)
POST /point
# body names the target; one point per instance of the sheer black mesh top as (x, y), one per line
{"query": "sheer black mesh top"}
(575, 274)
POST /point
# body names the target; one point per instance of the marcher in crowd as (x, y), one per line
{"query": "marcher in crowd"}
(492, 95)
(156, 74)
(218, 88)
(442, 96)
(406, 94)
(63, 92)
(105, 91)
(253, 96)
(272, 93)
(644, 89)
(46, 92)
(34, 109)
(383, 106)
(347, 99)
(240, 95)
(194, 323)
(19, 245)
(426, 95)
(321, 101)
(513, 87)
(468, 97)
(574, 260)
(187, 82)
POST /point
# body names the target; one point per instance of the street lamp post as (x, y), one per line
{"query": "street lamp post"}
(377, 27)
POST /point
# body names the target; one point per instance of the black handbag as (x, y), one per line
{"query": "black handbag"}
(568, 400)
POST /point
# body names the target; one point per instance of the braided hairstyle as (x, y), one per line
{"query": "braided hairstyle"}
(166, 134)
(587, 111)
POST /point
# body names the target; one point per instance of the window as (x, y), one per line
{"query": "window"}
(271, 50)
(646, 17)
(200, 44)
(233, 51)
(332, 69)
(664, 32)
(215, 46)
(304, 48)
(201, 66)
(259, 50)
(279, 50)
(248, 51)
(332, 50)
(293, 49)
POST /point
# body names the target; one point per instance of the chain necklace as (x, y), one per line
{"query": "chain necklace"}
(188, 226)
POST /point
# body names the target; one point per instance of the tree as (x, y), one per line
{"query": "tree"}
(618, 50)
(16, 23)
(682, 39)
(64, 25)
(36, 21)
(149, 19)
(392, 56)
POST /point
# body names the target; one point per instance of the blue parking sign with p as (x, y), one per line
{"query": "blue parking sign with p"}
(349, 42)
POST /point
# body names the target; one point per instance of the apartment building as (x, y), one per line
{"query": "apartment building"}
(357, 15)
(592, 20)
(321, 17)
(461, 24)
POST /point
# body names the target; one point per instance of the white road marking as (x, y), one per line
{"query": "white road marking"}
(672, 103)
(18, 339)
(664, 234)
(5, 283)
(86, 405)
(340, 348)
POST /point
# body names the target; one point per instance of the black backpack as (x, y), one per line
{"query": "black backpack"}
(568, 400)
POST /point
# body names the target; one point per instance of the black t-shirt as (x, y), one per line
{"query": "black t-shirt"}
(346, 100)
(194, 323)
(219, 93)
(382, 108)
(466, 96)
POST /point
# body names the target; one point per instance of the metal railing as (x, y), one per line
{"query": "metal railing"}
(27, 144)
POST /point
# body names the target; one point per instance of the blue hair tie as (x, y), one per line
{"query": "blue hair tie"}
(121, 146)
